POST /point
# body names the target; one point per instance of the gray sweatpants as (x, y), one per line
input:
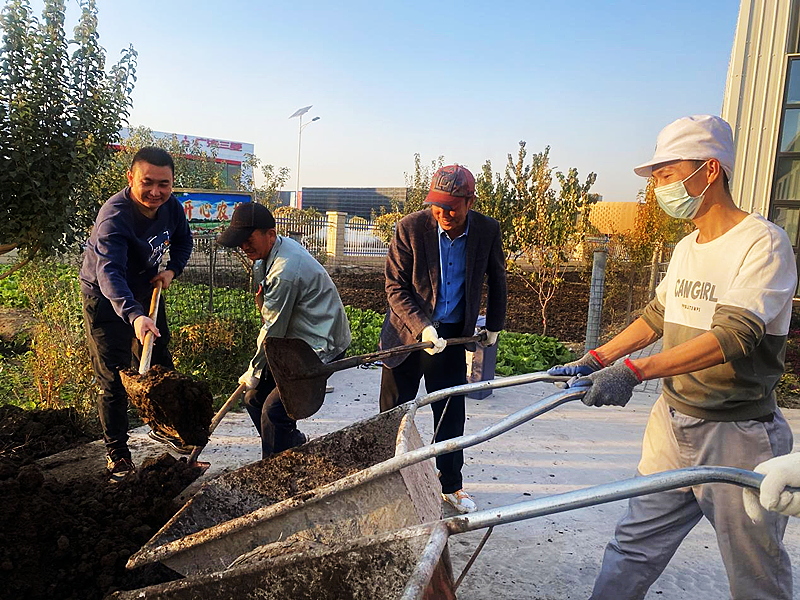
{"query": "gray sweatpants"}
(648, 535)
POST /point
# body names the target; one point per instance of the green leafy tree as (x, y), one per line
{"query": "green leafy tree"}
(496, 198)
(60, 111)
(418, 185)
(193, 167)
(274, 180)
(548, 224)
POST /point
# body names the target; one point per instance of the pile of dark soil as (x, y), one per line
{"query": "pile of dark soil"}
(26, 435)
(72, 541)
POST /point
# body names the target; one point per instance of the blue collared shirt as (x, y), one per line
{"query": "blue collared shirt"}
(450, 303)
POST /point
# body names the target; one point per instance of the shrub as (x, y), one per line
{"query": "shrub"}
(519, 353)
(365, 327)
(58, 363)
(10, 293)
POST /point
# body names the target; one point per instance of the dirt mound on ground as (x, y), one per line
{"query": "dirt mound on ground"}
(72, 541)
(26, 435)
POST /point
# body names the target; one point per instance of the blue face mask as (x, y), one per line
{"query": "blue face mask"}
(676, 201)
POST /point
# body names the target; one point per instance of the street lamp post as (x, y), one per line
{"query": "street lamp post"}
(299, 113)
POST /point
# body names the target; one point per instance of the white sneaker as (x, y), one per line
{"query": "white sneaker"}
(461, 501)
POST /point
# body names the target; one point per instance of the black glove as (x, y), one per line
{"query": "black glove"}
(610, 386)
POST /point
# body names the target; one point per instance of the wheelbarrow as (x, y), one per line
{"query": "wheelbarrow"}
(409, 564)
(394, 487)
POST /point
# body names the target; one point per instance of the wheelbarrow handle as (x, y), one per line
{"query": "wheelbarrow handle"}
(363, 359)
(607, 492)
(149, 338)
(441, 530)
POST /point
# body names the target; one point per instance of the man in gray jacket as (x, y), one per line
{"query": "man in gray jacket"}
(435, 270)
(299, 300)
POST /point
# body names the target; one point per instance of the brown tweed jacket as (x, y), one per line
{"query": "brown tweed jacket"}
(412, 278)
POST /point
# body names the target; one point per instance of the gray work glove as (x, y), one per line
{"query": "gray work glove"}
(610, 386)
(586, 365)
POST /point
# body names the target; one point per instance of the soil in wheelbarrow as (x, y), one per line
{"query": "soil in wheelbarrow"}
(315, 464)
(171, 402)
(72, 541)
(294, 474)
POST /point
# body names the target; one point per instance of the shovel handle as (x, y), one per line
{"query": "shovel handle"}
(217, 418)
(354, 361)
(149, 338)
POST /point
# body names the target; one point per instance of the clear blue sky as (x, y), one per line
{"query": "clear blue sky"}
(596, 81)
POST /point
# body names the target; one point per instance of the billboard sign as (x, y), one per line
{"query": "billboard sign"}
(208, 209)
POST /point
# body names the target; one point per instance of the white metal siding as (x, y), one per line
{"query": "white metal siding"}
(753, 98)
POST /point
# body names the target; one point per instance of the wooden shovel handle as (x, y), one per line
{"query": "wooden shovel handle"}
(232, 399)
(354, 361)
(149, 339)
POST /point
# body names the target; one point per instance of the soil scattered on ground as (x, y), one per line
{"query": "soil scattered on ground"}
(171, 402)
(72, 541)
(27, 435)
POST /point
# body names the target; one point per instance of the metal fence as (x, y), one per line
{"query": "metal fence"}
(361, 238)
(214, 272)
(312, 232)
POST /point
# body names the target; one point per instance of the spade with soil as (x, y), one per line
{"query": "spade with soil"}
(168, 401)
(301, 376)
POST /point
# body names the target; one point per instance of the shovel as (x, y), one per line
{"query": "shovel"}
(301, 376)
(214, 422)
(168, 401)
(149, 338)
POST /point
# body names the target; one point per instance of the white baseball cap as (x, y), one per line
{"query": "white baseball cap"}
(699, 137)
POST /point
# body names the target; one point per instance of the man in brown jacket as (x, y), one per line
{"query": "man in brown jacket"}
(435, 270)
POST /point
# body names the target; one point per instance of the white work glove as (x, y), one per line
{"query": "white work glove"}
(249, 380)
(781, 472)
(491, 338)
(429, 334)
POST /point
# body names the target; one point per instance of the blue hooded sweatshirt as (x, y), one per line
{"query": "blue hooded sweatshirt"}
(125, 250)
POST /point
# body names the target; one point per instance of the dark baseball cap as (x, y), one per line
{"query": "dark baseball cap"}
(245, 220)
(450, 185)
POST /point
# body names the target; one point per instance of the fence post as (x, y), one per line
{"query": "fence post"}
(337, 222)
(654, 263)
(212, 255)
(596, 289)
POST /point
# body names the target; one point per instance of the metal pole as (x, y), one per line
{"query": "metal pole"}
(654, 264)
(595, 318)
(423, 572)
(297, 182)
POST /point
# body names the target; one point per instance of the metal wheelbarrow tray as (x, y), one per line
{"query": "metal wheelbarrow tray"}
(395, 488)
(369, 568)
(410, 564)
(271, 500)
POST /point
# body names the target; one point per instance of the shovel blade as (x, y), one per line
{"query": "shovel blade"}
(293, 365)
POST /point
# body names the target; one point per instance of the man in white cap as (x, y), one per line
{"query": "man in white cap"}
(723, 311)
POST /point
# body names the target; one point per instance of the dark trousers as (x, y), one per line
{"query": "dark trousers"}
(443, 370)
(277, 429)
(113, 346)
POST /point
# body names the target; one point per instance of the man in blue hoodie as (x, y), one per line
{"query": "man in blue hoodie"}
(132, 232)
